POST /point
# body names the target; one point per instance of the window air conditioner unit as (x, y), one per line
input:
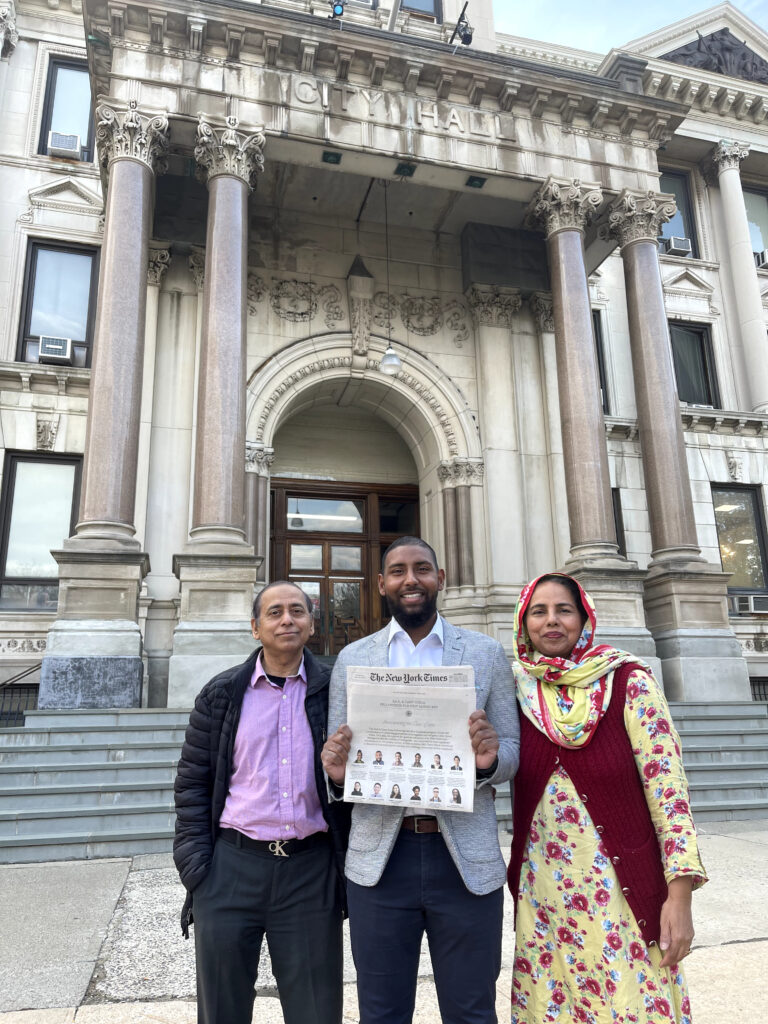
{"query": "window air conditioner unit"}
(749, 604)
(55, 350)
(67, 146)
(675, 246)
(761, 260)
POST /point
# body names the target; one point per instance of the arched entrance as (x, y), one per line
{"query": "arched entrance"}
(344, 459)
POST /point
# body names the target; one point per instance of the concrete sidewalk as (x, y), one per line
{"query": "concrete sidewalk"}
(98, 942)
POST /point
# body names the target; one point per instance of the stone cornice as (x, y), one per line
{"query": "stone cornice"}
(127, 134)
(705, 92)
(227, 151)
(637, 216)
(564, 204)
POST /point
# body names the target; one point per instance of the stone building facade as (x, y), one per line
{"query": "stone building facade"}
(564, 250)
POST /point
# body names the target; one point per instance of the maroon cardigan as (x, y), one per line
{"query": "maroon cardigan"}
(606, 776)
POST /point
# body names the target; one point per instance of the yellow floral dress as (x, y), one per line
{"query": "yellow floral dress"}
(579, 954)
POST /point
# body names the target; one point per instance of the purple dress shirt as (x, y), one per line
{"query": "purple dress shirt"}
(272, 790)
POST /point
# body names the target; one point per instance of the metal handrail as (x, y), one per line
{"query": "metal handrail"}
(21, 675)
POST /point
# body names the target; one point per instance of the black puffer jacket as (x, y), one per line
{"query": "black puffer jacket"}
(205, 768)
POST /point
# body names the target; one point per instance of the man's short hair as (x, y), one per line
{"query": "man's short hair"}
(256, 610)
(406, 542)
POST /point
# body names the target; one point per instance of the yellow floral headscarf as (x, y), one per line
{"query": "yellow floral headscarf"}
(565, 698)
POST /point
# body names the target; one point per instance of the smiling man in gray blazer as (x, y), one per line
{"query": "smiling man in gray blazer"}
(411, 870)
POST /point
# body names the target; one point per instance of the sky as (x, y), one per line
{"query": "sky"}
(587, 26)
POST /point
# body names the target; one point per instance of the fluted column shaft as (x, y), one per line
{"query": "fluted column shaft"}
(229, 160)
(132, 146)
(635, 220)
(725, 160)
(563, 209)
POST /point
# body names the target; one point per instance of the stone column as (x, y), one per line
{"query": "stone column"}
(563, 208)
(723, 166)
(94, 648)
(685, 596)
(258, 466)
(450, 525)
(218, 568)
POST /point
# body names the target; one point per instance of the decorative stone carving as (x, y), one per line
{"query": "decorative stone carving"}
(316, 366)
(9, 37)
(130, 135)
(421, 315)
(735, 468)
(458, 470)
(258, 459)
(330, 299)
(543, 310)
(159, 261)
(724, 54)
(197, 267)
(384, 310)
(47, 428)
(23, 645)
(638, 216)
(725, 156)
(256, 290)
(493, 307)
(229, 151)
(293, 300)
(360, 286)
(563, 204)
(456, 321)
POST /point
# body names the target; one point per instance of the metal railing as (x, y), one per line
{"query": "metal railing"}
(16, 699)
(759, 687)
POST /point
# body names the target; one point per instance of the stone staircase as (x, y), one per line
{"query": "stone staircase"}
(83, 784)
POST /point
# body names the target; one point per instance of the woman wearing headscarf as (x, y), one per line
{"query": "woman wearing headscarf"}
(604, 855)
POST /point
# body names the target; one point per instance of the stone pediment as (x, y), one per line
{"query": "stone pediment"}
(722, 53)
(67, 194)
(687, 282)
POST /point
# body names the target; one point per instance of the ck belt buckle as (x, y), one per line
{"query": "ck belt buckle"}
(277, 848)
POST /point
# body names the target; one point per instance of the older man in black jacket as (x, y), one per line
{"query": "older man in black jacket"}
(258, 847)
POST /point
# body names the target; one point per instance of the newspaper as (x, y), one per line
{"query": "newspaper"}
(410, 737)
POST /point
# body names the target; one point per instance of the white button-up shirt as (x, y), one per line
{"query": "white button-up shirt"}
(427, 653)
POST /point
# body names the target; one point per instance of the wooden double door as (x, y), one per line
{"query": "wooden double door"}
(329, 539)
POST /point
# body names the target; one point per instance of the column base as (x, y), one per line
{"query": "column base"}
(214, 619)
(92, 663)
(687, 613)
(99, 583)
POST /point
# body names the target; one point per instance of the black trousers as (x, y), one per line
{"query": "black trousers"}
(294, 902)
(421, 890)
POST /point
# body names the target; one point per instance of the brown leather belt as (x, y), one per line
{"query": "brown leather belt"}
(423, 826)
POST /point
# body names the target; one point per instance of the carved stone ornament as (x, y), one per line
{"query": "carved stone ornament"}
(638, 216)
(543, 310)
(229, 151)
(197, 267)
(735, 468)
(47, 428)
(461, 471)
(255, 292)
(23, 645)
(159, 261)
(724, 54)
(129, 135)
(492, 307)
(384, 309)
(456, 321)
(258, 459)
(725, 156)
(563, 204)
(421, 315)
(360, 287)
(9, 37)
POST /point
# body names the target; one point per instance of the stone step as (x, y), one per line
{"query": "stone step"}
(65, 821)
(696, 726)
(71, 735)
(94, 794)
(718, 709)
(731, 810)
(695, 753)
(710, 774)
(12, 775)
(705, 794)
(88, 753)
(724, 736)
(165, 717)
(84, 845)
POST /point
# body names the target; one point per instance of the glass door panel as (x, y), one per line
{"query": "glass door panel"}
(348, 558)
(346, 613)
(306, 557)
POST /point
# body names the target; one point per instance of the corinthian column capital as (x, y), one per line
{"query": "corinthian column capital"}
(493, 307)
(229, 151)
(130, 135)
(564, 204)
(8, 34)
(638, 216)
(727, 154)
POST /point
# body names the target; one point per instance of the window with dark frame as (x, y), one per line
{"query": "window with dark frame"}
(741, 536)
(67, 110)
(58, 299)
(597, 326)
(757, 218)
(429, 8)
(682, 225)
(618, 519)
(694, 364)
(40, 496)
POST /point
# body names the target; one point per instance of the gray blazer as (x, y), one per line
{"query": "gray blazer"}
(472, 839)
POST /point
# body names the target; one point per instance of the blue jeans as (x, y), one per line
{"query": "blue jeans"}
(422, 890)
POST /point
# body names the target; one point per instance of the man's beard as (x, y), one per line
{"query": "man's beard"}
(412, 619)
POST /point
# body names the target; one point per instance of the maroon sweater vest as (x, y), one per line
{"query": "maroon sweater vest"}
(605, 775)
